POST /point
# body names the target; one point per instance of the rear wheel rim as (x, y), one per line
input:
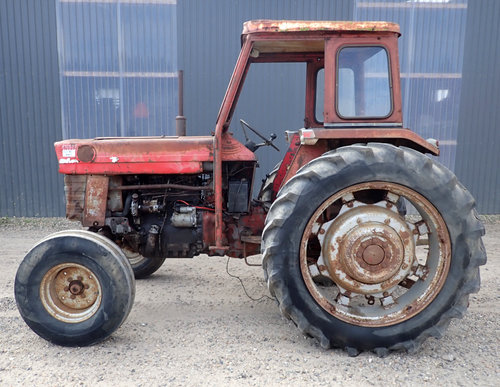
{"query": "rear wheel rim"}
(70, 292)
(365, 264)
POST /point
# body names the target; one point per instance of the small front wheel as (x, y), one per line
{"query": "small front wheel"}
(74, 288)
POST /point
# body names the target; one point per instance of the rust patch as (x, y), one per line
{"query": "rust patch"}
(96, 197)
(74, 189)
(281, 26)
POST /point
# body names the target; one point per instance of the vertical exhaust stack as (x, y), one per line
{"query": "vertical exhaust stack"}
(180, 120)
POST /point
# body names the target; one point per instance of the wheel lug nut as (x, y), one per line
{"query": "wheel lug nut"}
(72, 296)
(86, 286)
(80, 278)
(66, 289)
(70, 279)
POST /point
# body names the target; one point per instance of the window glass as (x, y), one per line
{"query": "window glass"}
(320, 95)
(363, 88)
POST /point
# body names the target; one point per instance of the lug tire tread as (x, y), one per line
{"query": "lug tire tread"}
(468, 230)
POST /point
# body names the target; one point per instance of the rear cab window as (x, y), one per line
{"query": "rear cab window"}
(363, 88)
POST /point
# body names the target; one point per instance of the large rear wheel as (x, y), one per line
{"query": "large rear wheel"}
(349, 269)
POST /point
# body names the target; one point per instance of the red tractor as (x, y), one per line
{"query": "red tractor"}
(367, 243)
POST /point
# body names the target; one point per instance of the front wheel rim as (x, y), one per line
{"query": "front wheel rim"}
(365, 264)
(70, 293)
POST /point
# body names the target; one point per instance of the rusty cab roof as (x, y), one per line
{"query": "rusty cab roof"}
(304, 36)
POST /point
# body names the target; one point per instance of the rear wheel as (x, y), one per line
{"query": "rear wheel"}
(74, 288)
(349, 269)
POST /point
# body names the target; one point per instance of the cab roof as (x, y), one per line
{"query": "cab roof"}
(283, 26)
(304, 36)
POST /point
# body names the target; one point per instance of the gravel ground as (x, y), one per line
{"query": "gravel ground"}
(192, 324)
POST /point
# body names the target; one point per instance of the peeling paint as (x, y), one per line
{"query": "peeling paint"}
(68, 161)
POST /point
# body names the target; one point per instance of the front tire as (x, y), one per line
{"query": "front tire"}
(74, 288)
(352, 271)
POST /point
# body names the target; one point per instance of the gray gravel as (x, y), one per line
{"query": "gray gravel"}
(192, 324)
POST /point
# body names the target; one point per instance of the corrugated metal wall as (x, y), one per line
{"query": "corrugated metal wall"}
(125, 101)
(30, 113)
(273, 97)
(118, 66)
(478, 155)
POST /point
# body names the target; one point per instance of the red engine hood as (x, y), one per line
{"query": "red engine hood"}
(145, 155)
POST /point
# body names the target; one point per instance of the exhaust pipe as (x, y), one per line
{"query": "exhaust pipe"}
(180, 120)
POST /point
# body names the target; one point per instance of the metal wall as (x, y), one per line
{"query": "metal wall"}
(118, 67)
(273, 96)
(478, 156)
(30, 114)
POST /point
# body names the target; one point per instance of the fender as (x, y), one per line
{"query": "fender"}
(308, 144)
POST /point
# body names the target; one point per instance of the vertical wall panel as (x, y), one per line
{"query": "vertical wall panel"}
(118, 61)
(478, 157)
(29, 110)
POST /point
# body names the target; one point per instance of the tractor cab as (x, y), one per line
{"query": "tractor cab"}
(352, 68)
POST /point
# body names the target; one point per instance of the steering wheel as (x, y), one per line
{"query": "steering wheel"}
(252, 145)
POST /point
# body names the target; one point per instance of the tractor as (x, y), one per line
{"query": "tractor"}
(367, 242)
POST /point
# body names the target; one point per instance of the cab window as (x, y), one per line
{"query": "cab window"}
(363, 87)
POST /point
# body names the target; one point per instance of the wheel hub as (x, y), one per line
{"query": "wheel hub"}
(70, 292)
(373, 254)
(368, 249)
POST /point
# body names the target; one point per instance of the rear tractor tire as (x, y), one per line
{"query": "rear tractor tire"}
(74, 288)
(350, 269)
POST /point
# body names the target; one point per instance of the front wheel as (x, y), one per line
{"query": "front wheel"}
(349, 269)
(74, 288)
